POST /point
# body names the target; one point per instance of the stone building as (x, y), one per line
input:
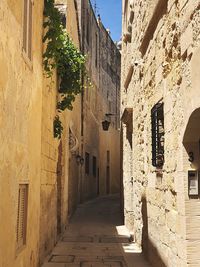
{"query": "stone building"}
(160, 117)
(100, 149)
(42, 179)
(60, 171)
(39, 174)
(21, 84)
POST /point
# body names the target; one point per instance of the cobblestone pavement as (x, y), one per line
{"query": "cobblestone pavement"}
(96, 238)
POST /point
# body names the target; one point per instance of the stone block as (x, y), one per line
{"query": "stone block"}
(186, 39)
(62, 258)
(171, 218)
(181, 248)
(181, 226)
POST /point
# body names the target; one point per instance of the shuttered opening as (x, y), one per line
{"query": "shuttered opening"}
(22, 215)
(29, 45)
(25, 25)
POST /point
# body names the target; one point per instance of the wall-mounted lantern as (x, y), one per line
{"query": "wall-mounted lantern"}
(106, 122)
(105, 125)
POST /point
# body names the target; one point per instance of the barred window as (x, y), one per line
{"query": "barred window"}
(22, 215)
(157, 124)
(27, 28)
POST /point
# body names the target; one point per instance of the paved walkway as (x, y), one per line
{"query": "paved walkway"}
(96, 238)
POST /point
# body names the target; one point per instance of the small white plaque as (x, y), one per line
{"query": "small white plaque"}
(193, 183)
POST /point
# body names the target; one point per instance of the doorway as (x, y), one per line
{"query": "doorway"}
(108, 180)
(191, 173)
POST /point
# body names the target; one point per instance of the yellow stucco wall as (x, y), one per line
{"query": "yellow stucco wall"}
(29, 152)
(20, 134)
(59, 170)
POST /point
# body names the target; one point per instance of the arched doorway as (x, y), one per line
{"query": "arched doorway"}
(191, 167)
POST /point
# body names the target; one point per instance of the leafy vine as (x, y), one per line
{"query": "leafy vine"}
(62, 55)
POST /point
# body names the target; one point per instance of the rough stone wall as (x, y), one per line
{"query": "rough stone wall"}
(20, 133)
(159, 62)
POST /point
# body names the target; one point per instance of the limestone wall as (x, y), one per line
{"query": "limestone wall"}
(20, 134)
(159, 63)
(59, 169)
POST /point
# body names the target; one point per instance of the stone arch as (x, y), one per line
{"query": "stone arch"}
(191, 165)
(191, 144)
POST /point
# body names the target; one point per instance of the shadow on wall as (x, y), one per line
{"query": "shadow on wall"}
(148, 248)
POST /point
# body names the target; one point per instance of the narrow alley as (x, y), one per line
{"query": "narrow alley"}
(99, 133)
(96, 237)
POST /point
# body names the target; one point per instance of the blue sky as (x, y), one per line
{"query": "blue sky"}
(111, 16)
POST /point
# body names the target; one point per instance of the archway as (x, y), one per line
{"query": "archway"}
(191, 167)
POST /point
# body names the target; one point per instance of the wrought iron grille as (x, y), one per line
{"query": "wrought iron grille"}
(157, 126)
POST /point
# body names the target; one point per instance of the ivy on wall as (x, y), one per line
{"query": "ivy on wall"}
(62, 55)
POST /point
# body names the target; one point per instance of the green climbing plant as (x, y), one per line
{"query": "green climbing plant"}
(61, 54)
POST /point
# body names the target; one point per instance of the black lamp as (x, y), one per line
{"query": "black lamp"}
(105, 125)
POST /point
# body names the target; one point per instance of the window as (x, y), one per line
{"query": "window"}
(27, 28)
(96, 52)
(87, 163)
(157, 124)
(94, 166)
(22, 215)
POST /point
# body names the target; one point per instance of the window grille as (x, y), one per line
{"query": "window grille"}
(22, 215)
(157, 124)
(27, 27)
(87, 163)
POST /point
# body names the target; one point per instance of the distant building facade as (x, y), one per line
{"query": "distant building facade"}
(160, 117)
(100, 149)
